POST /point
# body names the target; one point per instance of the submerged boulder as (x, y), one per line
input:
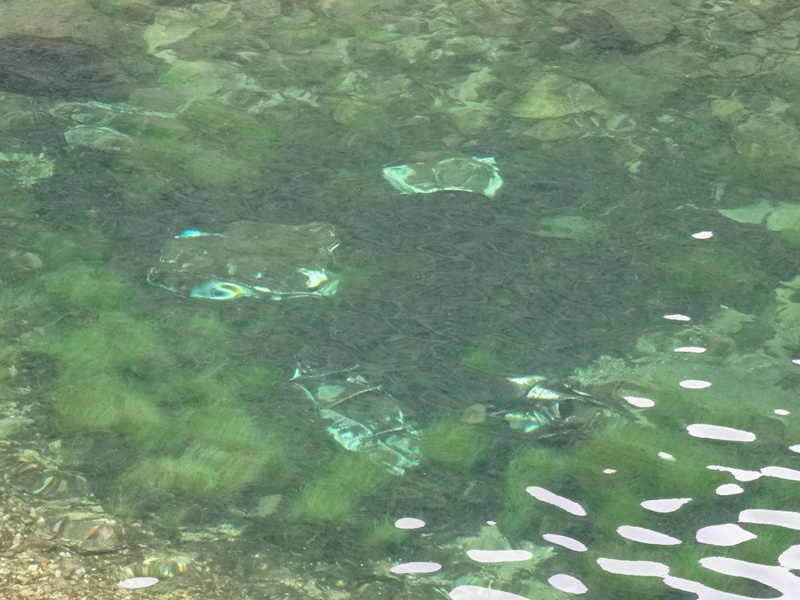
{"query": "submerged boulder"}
(554, 96)
(616, 23)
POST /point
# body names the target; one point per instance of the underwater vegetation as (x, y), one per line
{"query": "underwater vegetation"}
(383, 535)
(482, 357)
(211, 144)
(654, 456)
(338, 490)
(163, 392)
(613, 499)
(452, 445)
(708, 271)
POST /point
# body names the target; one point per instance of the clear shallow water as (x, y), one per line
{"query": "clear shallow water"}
(181, 413)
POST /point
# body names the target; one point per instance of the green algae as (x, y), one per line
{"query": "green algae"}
(165, 393)
(114, 341)
(201, 473)
(713, 272)
(482, 357)
(334, 495)
(78, 250)
(243, 134)
(452, 445)
(109, 404)
(212, 144)
(87, 287)
(383, 535)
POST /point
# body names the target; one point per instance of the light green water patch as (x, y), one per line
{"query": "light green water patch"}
(245, 135)
(123, 9)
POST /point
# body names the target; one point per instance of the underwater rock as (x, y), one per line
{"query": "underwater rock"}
(163, 565)
(616, 23)
(571, 227)
(84, 529)
(172, 25)
(768, 142)
(67, 68)
(42, 472)
(553, 96)
(746, 21)
(99, 138)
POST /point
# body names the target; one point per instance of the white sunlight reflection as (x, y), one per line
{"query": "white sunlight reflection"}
(790, 559)
(499, 556)
(568, 584)
(719, 432)
(566, 542)
(415, 568)
(409, 523)
(694, 384)
(691, 349)
(638, 568)
(639, 402)
(781, 473)
(664, 505)
(729, 489)
(727, 534)
(738, 474)
(765, 516)
(646, 536)
(474, 592)
(549, 497)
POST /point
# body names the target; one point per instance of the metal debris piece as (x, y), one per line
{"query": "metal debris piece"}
(479, 175)
(554, 412)
(26, 169)
(361, 417)
(249, 260)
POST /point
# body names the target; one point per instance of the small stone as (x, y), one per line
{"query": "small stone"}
(474, 414)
